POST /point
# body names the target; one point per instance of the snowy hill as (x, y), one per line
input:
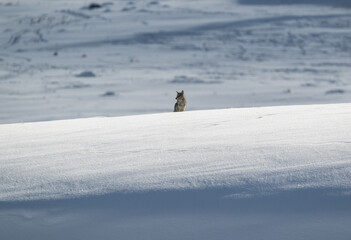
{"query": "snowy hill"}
(198, 174)
(123, 166)
(134, 54)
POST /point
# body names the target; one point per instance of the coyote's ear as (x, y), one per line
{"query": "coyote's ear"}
(182, 91)
(177, 92)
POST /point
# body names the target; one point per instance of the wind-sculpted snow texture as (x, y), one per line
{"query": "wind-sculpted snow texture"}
(223, 54)
(251, 173)
(261, 150)
(238, 173)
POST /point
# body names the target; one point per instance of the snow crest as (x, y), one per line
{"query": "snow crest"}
(259, 150)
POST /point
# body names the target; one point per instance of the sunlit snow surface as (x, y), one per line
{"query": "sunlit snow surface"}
(250, 173)
(199, 175)
(259, 149)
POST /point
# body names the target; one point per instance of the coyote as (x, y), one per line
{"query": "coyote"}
(181, 102)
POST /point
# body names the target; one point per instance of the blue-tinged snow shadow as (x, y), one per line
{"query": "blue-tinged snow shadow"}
(189, 214)
(215, 200)
(337, 3)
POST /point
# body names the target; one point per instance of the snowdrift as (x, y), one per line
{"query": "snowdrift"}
(254, 173)
(257, 150)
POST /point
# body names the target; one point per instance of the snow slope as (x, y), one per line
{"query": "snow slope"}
(284, 172)
(250, 173)
(223, 54)
(270, 148)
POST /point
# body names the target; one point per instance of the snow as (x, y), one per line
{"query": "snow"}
(268, 149)
(90, 147)
(221, 53)
(206, 168)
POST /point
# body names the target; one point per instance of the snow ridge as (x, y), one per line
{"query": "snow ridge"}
(257, 150)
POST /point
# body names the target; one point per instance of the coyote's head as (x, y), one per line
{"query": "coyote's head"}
(180, 95)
